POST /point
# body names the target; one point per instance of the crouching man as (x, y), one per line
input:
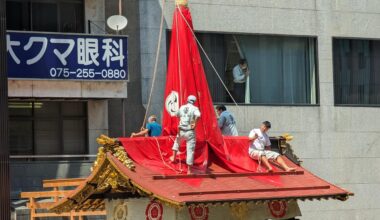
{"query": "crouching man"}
(259, 149)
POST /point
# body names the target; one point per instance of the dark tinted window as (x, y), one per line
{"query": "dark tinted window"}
(48, 15)
(356, 72)
(46, 128)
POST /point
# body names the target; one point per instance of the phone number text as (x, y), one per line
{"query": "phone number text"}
(87, 73)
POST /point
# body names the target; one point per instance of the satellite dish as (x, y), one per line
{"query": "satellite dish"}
(117, 22)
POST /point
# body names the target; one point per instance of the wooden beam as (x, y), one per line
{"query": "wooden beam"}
(45, 194)
(62, 182)
(68, 214)
(252, 190)
(215, 175)
(39, 205)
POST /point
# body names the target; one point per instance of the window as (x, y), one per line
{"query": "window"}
(46, 15)
(282, 69)
(356, 72)
(48, 128)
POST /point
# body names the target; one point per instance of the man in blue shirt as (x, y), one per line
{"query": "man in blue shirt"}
(226, 121)
(153, 129)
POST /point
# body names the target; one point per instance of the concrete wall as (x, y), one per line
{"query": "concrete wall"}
(94, 11)
(339, 144)
(133, 109)
(97, 123)
(149, 39)
(66, 89)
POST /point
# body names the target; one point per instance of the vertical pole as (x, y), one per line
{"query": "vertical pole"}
(5, 205)
(89, 26)
(123, 116)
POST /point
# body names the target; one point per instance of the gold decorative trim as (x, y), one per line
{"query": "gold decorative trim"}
(286, 148)
(181, 2)
(112, 145)
(287, 137)
(239, 210)
(108, 177)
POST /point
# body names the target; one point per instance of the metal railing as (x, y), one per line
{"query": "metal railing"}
(52, 156)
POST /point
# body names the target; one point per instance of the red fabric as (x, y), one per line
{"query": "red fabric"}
(186, 76)
(237, 159)
(154, 152)
(147, 152)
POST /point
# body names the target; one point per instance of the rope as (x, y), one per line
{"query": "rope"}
(179, 57)
(213, 67)
(207, 57)
(155, 64)
(162, 158)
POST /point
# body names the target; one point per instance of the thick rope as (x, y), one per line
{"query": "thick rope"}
(179, 58)
(208, 59)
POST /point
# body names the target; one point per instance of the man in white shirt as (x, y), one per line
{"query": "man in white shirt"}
(188, 116)
(240, 73)
(259, 149)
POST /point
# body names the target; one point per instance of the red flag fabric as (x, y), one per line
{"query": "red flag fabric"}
(185, 76)
(154, 152)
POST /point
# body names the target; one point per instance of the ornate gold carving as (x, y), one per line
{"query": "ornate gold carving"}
(286, 148)
(181, 2)
(287, 137)
(122, 156)
(112, 145)
(111, 179)
(239, 210)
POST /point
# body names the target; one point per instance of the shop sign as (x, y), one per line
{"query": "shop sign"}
(34, 55)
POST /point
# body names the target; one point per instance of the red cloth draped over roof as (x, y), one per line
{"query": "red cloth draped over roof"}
(185, 76)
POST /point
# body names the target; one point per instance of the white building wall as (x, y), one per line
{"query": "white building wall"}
(339, 144)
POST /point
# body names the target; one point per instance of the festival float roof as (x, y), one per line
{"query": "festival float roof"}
(115, 175)
(224, 173)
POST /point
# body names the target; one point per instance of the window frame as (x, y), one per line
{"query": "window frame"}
(57, 3)
(316, 63)
(333, 60)
(59, 119)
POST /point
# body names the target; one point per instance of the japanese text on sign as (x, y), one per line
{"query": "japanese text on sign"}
(61, 56)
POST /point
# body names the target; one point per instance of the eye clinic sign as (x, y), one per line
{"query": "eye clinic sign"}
(34, 55)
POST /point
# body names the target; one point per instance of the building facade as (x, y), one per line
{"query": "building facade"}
(54, 123)
(314, 73)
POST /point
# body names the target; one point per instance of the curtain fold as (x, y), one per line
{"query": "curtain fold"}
(356, 71)
(282, 69)
(214, 46)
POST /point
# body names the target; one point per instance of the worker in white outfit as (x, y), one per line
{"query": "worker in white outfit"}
(188, 115)
(259, 148)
